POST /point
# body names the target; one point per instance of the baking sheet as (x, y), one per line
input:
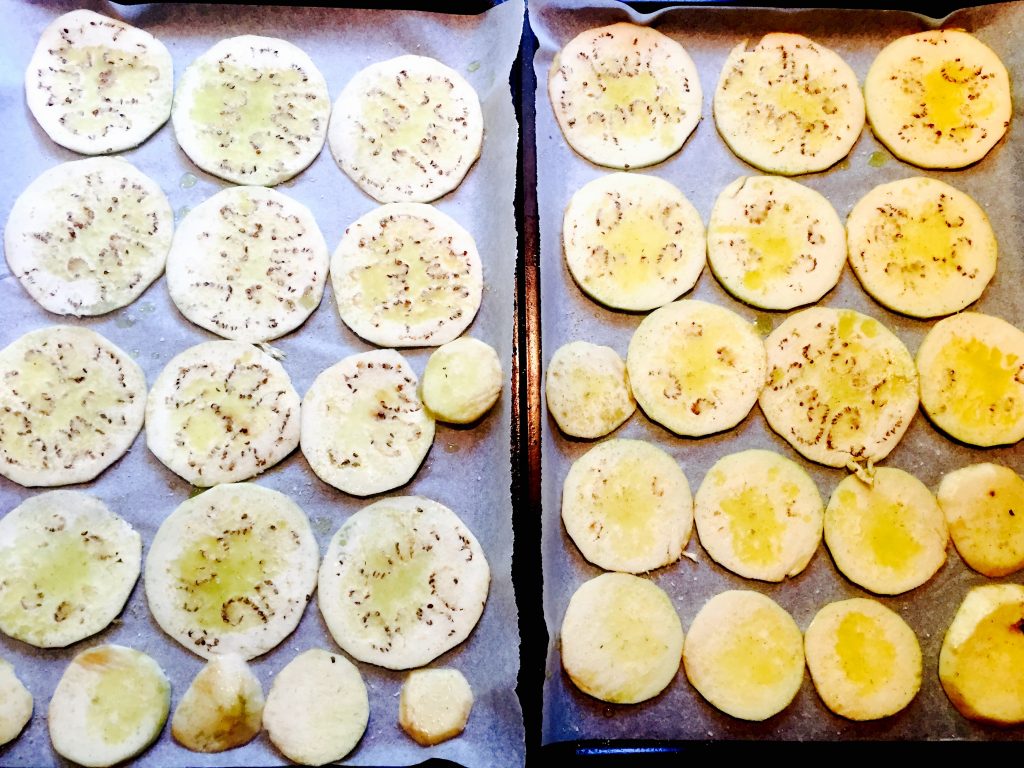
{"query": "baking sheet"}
(701, 170)
(468, 469)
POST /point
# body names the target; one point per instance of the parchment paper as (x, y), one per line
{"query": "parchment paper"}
(701, 170)
(467, 469)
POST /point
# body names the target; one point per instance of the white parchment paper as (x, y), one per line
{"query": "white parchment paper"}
(701, 170)
(468, 469)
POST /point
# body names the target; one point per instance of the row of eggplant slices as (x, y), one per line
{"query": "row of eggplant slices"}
(627, 96)
(835, 384)
(622, 640)
(255, 110)
(230, 571)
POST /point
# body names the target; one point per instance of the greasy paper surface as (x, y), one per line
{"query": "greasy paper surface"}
(701, 170)
(467, 469)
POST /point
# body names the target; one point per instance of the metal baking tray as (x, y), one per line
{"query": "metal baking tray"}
(574, 725)
(468, 469)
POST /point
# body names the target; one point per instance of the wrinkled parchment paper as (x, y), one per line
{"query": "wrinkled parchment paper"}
(467, 469)
(701, 170)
